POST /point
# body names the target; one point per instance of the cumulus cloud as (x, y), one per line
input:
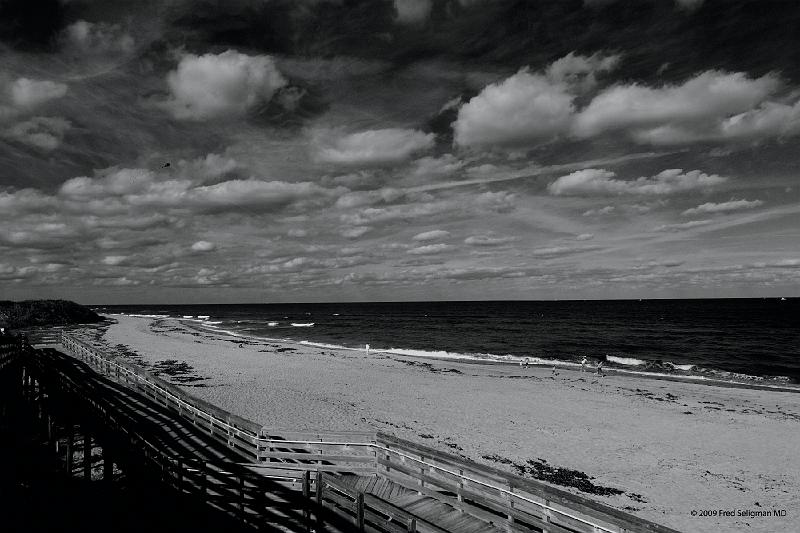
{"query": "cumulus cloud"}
(426, 168)
(28, 93)
(593, 181)
(429, 249)
(771, 119)
(585, 237)
(412, 11)
(137, 188)
(607, 210)
(203, 246)
(355, 232)
(684, 225)
(581, 71)
(97, 38)
(674, 113)
(524, 108)
(114, 260)
(222, 85)
(46, 133)
(371, 147)
(724, 207)
(431, 235)
(529, 107)
(488, 240)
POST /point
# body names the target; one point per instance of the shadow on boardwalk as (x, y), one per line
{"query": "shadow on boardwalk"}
(37, 494)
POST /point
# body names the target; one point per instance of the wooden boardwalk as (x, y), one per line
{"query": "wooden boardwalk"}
(281, 480)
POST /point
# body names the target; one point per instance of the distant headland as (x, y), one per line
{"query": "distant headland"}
(32, 313)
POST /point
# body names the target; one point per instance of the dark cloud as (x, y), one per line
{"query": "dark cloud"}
(31, 24)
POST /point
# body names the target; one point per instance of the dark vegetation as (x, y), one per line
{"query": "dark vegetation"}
(33, 313)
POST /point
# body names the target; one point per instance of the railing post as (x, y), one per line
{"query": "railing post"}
(360, 511)
(306, 499)
(412, 525)
(179, 475)
(70, 445)
(87, 455)
(241, 496)
(320, 522)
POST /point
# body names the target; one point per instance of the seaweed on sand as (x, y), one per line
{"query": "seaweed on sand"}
(178, 371)
(565, 477)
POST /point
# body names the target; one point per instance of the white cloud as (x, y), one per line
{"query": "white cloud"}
(429, 249)
(412, 11)
(427, 168)
(144, 188)
(114, 260)
(607, 210)
(724, 207)
(46, 133)
(522, 109)
(771, 119)
(684, 225)
(28, 93)
(297, 233)
(203, 246)
(529, 108)
(356, 232)
(673, 113)
(227, 84)
(207, 168)
(488, 240)
(97, 37)
(581, 71)
(431, 235)
(371, 147)
(585, 237)
(593, 181)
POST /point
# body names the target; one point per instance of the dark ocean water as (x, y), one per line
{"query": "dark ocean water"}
(718, 338)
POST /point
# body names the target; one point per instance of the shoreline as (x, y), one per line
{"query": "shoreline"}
(664, 447)
(467, 359)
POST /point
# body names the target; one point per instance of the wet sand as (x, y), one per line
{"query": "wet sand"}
(662, 448)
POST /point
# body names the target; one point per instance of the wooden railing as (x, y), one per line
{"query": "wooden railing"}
(11, 347)
(492, 495)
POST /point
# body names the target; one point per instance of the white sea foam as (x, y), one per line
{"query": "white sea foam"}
(272, 324)
(204, 317)
(138, 315)
(628, 361)
(188, 316)
(303, 324)
(328, 346)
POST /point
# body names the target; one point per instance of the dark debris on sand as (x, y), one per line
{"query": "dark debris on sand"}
(429, 367)
(565, 477)
(178, 371)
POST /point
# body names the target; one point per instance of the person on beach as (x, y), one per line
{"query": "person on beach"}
(524, 363)
(366, 348)
(600, 368)
(583, 364)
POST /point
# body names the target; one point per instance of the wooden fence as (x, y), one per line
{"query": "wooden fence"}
(494, 496)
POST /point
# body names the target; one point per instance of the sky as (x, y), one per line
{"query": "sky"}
(186, 151)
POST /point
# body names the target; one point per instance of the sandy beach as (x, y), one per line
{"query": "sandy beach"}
(671, 448)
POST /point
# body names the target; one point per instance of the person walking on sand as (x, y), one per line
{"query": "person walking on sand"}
(524, 363)
(600, 368)
(583, 364)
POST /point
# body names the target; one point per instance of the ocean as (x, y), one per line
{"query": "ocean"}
(738, 339)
